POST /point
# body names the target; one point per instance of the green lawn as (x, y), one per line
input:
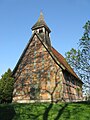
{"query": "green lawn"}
(45, 111)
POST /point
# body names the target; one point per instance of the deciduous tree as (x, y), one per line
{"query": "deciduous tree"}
(80, 59)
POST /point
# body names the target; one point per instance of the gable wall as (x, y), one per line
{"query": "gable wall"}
(37, 77)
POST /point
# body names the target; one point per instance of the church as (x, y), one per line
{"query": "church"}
(42, 73)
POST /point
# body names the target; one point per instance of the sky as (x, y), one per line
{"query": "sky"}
(65, 18)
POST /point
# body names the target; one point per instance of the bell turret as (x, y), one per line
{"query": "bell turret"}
(42, 29)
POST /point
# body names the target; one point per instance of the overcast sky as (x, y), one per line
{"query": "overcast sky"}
(65, 18)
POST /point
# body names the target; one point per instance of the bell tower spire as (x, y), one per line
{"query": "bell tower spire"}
(41, 16)
(42, 29)
(40, 23)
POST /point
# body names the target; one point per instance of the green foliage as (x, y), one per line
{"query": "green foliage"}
(80, 59)
(73, 58)
(6, 87)
(84, 46)
(45, 111)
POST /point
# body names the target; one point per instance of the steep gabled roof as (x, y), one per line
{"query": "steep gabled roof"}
(54, 54)
(63, 61)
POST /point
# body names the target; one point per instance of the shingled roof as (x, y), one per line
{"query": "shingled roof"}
(40, 23)
(63, 61)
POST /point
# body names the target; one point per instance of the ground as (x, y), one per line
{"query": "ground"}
(45, 111)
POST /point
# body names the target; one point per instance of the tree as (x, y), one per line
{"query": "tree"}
(6, 87)
(80, 59)
(73, 58)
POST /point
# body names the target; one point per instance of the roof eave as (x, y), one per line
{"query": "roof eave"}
(33, 28)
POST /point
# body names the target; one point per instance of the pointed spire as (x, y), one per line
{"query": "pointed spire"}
(41, 16)
(40, 23)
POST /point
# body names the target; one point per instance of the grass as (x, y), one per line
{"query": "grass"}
(45, 111)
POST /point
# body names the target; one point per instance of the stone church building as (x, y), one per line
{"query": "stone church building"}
(42, 73)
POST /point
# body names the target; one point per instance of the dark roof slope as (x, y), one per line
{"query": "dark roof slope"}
(63, 61)
(40, 23)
